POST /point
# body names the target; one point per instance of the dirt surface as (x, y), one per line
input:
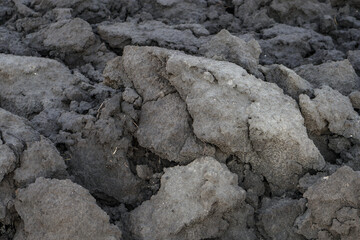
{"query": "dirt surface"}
(169, 119)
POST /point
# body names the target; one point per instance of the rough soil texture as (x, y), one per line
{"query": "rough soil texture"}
(169, 119)
(81, 218)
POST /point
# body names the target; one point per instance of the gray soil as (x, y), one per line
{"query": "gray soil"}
(179, 119)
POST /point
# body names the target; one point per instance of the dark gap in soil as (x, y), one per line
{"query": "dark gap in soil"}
(142, 156)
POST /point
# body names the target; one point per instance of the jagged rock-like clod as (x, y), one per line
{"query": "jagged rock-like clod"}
(30, 84)
(292, 84)
(354, 58)
(338, 75)
(164, 128)
(40, 159)
(330, 110)
(277, 217)
(226, 47)
(355, 99)
(24, 156)
(295, 12)
(59, 209)
(194, 202)
(121, 34)
(69, 35)
(333, 207)
(288, 45)
(232, 110)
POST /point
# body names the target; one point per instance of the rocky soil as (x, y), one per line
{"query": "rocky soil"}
(179, 120)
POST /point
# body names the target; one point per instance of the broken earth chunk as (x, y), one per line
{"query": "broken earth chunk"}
(355, 99)
(226, 47)
(288, 45)
(113, 73)
(165, 129)
(232, 110)
(330, 110)
(333, 205)
(40, 159)
(298, 13)
(145, 70)
(30, 84)
(24, 156)
(277, 217)
(61, 209)
(292, 84)
(69, 35)
(7, 160)
(119, 35)
(354, 58)
(193, 202)
(339, 75)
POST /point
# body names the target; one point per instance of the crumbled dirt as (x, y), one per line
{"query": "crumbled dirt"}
(170, 119)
